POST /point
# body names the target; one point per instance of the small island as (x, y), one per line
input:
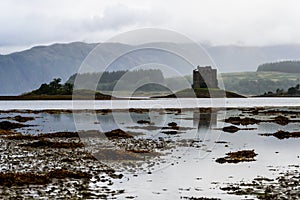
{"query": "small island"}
(205, 85)
(57, 91)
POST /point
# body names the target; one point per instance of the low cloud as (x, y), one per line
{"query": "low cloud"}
(217, 22)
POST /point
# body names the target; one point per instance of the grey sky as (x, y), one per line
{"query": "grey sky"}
(217, 22)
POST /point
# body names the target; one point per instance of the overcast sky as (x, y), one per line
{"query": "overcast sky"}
(25, 23)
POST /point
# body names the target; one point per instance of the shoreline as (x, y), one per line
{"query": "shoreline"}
(138, 110)
(76, 160)
(54, 98)
(92, 98)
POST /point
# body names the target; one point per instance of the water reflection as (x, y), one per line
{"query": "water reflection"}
(57, 117)
(205, 118)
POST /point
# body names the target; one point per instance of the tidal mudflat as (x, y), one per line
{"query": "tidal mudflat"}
(143, 154)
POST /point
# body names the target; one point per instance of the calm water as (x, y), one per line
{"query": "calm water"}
(186, 171)
(162, 103)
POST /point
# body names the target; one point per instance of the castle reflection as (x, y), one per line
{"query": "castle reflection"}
(205, 118)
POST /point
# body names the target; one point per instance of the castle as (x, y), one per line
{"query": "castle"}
(205, 77)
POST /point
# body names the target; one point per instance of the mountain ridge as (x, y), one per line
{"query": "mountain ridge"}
(25, 70)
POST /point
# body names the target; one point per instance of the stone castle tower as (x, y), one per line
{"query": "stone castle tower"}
(205, 77)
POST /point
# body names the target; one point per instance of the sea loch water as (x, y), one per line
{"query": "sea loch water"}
(161, 103)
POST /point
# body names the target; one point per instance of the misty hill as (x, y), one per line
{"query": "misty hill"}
(282, 66)
(24, 71)
(238, 58)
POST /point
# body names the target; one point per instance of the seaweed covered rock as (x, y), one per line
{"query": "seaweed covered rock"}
(281, 120)
(28, 178)
(172, 124)
(19, 118)
(238, 156)
(143, 122)
(7, 125)
(49, 144)
(230, 129)
(117, 133)
(241, 121)
(283, 134)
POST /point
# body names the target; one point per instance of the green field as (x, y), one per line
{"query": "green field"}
(274, 76)
(256, 83)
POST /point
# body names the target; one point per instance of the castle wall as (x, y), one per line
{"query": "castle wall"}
(205, 77)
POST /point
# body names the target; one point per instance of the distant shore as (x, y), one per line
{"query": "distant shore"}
(278, 96)
(55, 97)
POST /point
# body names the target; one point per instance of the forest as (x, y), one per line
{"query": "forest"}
(151, 79)
(281, 66)
(53, 88)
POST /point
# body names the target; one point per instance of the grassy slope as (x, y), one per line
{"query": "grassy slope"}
(274, 76)
(203, 93)
(280, 80)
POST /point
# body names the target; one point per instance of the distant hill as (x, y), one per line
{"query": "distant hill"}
(232, 58)
(26, 70)
(282, 66)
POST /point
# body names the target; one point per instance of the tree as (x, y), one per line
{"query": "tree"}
(54, 88)
(67, 88)
(292, 91)
(44, 89)
(55, 84)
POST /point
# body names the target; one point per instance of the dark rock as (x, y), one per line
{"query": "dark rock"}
(221, 142)
(63, 173)
(143, 122)
(49, 144)
(230, 129)
(117, 133)
(238, 156)
(172, 124)
(104, 111)
(59, 135)
(283, 134)
(230, 188)
(281, 120)
(6, 125)
(18, 179)
(138, 110)
(176, 110)
(27, 178)
(170, 132)
(241, 121)
(8, 132)
(19, 118)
